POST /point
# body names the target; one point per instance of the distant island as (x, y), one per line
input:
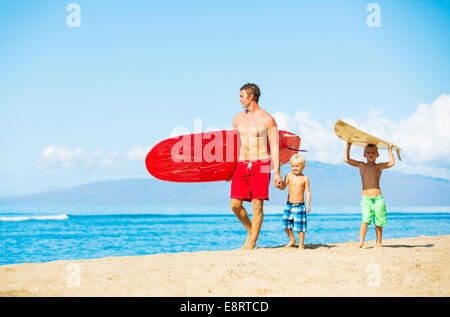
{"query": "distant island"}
(331, 185)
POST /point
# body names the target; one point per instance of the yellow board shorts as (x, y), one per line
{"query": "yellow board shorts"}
(373, 208)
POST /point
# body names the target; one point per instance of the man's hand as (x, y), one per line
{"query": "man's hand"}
(391, 145)
(308, 209)
(277, 180)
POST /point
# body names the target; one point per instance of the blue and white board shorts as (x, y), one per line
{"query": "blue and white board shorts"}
(294, 216)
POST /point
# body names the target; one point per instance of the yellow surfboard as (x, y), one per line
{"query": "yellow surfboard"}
(352, 135)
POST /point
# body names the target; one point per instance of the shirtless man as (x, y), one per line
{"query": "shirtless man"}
(251, 177)
(372, 202)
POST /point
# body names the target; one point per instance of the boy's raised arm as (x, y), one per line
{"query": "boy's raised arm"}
(391, 158)
(347, 158)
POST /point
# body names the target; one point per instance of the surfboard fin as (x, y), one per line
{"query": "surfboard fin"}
(294, 149)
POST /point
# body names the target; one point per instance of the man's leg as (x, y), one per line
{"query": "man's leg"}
(257, 220)
(241, 213)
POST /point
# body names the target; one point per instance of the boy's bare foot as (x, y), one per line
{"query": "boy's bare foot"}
(378, 245)
(360, 244)
(301, 247)
(290, 244)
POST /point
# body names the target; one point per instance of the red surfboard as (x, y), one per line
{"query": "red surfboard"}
(206, 156)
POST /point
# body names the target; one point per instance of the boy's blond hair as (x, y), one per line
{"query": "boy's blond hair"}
(297, 158)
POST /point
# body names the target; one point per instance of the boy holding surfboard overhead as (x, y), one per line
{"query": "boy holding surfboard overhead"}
(251, 177)
(372, 203)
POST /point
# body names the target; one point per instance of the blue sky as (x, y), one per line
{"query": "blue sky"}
(83, 104)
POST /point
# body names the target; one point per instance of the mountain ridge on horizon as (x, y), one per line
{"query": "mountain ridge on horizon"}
(330, 185)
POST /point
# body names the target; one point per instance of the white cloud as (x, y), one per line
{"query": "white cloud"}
(110, 160)
(425, 134)
(424, 137)
(318, 139)
(61, 156)
(138, 153)
(283, 121)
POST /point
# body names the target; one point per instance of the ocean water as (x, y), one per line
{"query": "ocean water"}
(43, 238)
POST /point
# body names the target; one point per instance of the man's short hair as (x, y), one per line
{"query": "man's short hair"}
(252, 90)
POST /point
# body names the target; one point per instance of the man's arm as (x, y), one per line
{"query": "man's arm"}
(272, 133)
(347, 158)
(391, 158)
(235, 122)
(234, 128)
(308, 195)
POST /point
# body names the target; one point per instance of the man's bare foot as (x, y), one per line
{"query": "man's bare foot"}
(246, 241)
(378, 245)
(301, 247)
(360, 244)
(290, 244)
(248, 245)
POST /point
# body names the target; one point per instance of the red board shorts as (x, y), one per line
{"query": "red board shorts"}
(251, 180)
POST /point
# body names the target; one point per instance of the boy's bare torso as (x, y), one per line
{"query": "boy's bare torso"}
(370, 171)
(253, 132)
(296, 188)
(370, 178)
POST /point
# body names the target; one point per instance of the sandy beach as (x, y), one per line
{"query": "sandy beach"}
(403, 267)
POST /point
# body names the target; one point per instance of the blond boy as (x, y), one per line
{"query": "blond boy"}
(294, 216)
(372, 202)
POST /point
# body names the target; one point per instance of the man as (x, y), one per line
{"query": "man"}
(251, 177)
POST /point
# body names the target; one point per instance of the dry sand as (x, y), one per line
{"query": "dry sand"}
(403, 267)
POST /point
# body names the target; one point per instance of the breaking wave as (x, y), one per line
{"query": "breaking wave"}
(25, 218)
